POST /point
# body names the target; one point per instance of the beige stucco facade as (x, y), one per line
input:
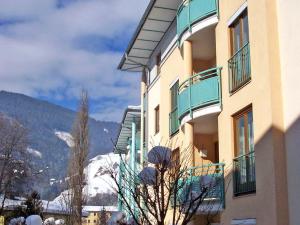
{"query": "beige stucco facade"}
(273, 94)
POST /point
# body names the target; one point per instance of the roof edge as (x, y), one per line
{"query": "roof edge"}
(136, 33)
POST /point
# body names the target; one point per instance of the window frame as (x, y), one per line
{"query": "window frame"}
(242, 113)
(239, 20)
(173, 93)
(244, 174)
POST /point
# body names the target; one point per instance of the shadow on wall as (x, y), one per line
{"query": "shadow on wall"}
(277, 197)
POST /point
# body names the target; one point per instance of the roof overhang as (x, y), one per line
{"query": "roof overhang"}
(155, 22)
(131, 114)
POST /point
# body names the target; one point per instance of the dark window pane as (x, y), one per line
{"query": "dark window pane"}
(174, 90)
(250, 132)
(245, 30)
(236, 37)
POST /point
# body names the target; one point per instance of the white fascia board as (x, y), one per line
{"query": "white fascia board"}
(244, 222)
(173, 82)
(237, 13)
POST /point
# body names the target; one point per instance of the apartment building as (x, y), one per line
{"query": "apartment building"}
(223, 77)
(128, 148)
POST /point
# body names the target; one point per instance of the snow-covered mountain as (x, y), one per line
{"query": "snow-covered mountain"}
(49, 127)
(99, 181)
(98, 176)
(66, 137)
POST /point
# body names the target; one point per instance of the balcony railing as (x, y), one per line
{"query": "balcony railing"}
(209, 176)
(191, 11)
(239, 68)
(173, 121)
(244, 180)
(198, 91)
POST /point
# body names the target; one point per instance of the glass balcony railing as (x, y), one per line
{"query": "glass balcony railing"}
(198, 91)
(173, 121)
(239, 68)
(244, 180)
(209, 176)
(191, 11)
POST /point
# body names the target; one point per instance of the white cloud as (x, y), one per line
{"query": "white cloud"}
(39, 55)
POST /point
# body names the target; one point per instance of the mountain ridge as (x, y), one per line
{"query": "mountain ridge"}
(43, 120)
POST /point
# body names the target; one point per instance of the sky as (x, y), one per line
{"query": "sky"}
(52, 49)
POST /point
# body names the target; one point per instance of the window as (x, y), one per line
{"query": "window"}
(95, 221)
(94, 214)
(239, 32)
(156, 110)
(175, 157)
(244, 163)
(158, 62)
(88, 221)
(173, 121)
(239, 63)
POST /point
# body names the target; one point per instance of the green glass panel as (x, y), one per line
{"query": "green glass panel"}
(204, 91)
(201, 8)
(194, 10)
(183, 19)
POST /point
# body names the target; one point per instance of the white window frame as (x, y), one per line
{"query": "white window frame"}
(243, 222)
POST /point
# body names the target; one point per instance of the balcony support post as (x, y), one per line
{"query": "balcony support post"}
(188, 71)
(133, 162)
(143, 112)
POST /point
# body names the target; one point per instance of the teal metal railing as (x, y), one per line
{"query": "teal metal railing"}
(198, 91)
(192, 11)
(244, 180)
(210, 176)
(173, 121)
(239, 67)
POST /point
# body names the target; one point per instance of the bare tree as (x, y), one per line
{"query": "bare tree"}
(78, 159)
(14, 158)
(169, 190)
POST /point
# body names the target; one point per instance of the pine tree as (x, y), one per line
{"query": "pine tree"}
(103, 217)
(34, 204)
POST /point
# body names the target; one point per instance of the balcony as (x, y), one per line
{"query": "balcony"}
(210, 176)
(192, 11)
(239, 68)
(244, 181)
(199, 91)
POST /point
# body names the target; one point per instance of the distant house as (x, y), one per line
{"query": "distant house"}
(50, 209)
(96, 212)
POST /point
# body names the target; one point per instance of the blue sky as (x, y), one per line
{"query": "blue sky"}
(51, 49)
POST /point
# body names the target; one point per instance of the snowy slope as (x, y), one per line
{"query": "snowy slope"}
(66, 137)
(98, 177)
(99, 180)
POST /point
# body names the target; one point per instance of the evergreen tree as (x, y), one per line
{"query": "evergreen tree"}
(103, 217)
(34, 204)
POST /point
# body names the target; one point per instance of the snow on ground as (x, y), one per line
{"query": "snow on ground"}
(98, 177)
(34, 152)
(66, 137)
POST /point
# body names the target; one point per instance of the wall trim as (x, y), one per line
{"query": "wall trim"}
(173, 82)
(237, 13)
(243, 222)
